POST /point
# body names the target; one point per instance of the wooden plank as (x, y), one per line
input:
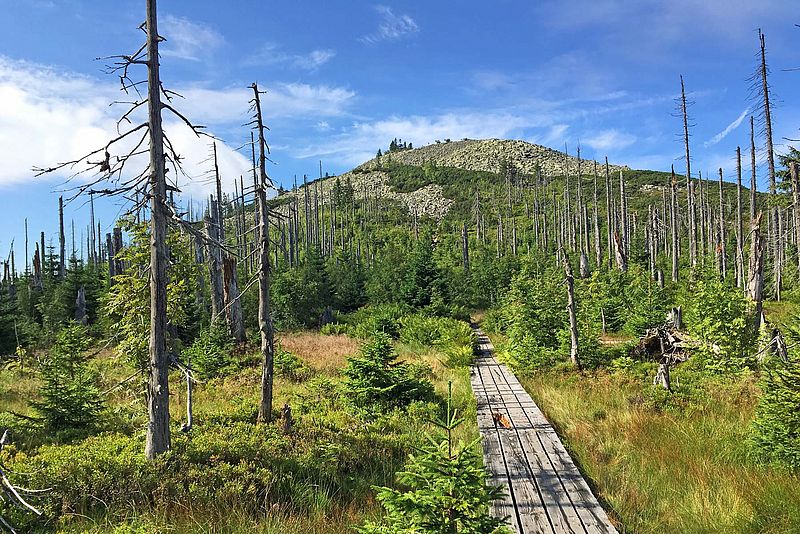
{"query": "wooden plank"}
(547, 491)
(593, 516)
(563, 519)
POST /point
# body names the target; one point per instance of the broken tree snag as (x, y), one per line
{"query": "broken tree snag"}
(465, 247)
(673, 222)
(264, 304)
(755, 274)
(233, 304)
(662, 376)
(619, 253)
(214, 263)
(573, 321)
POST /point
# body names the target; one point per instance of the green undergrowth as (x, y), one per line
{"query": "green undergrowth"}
(228, 473)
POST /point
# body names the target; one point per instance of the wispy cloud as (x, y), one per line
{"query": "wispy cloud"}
(271, 54)
(392, 26)
(728, 129)
(610, 140)
(188, 40)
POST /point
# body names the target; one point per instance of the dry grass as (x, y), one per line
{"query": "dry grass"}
(322, 353)
(682, 469)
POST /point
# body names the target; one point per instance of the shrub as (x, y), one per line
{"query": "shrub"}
(376, 379)
(719, 315)
(383, 318)
(445, 489)
(334, 329)
(210, 354)
(289, 365)
(776, 428)
(70, 398)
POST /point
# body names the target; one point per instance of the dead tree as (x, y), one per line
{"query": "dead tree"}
(573, 321)
(13, 494)
(753, 185)
(264, 304)
(674, 224)
(150, 184)
(739, 226)
(755, 275)
(795, 207)
(721, 241)
(619, 253)
(689, 195)
(62, 266)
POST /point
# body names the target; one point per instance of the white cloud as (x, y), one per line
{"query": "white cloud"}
(271, 54)
(360, 142)
(728, 129)
(610, 140)
(50, 116)
(391, 27)
(186, 39)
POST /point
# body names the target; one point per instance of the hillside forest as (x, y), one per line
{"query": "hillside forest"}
(298, 360)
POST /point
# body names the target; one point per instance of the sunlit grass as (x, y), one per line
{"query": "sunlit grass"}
(680, 468)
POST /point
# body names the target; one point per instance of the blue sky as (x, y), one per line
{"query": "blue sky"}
(344, 78)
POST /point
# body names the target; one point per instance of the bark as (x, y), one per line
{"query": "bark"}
(689, 195)
(233, 303)
(573, 321)
(674, 224)
(609, 229)
(598, 250)
(795, 208)
(62, 266)
(755, 276)
(264, 304)
(721, 242)
(158, 438)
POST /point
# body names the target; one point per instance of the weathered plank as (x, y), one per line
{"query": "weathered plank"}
(546, 492)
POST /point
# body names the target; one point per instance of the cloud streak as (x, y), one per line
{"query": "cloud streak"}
(728, 129)
(271, 54)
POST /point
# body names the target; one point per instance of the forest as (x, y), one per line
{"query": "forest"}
(299, 360)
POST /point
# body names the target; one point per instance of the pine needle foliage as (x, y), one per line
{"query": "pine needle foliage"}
(375, 379)
(445, 489)
(70, 398)
(776, 428)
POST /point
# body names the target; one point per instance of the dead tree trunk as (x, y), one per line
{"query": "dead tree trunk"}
(62, 266)
(158, 439)
(573, 321)
(233, 303)
(753, 185)
(674, 224)
(619, 253)
(465, 247)
(739, 225)
(689, 195)
(609, 229)
(264, 304)
(795, 208)
(755, 276)
(214, 263)
(721, 241)
(598, 250)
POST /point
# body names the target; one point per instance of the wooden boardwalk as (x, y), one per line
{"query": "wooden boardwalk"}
(545, 492)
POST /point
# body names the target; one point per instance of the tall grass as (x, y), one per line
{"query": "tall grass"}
(668, 464)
